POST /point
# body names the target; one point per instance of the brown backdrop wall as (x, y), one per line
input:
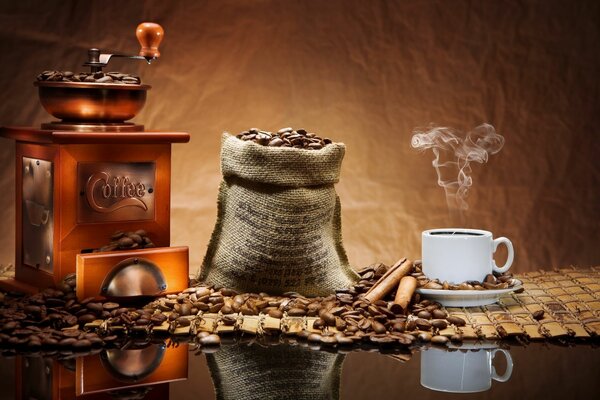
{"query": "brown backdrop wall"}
(364, 73)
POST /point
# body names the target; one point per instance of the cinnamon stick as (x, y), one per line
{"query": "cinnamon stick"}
(406, 289)
(389, 280)
(387, 273)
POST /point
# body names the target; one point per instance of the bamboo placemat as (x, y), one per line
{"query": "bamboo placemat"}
(569, 297)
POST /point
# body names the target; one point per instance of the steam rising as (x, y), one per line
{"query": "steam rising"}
(454, 153)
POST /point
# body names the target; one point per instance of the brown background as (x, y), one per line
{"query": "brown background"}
(364, 73)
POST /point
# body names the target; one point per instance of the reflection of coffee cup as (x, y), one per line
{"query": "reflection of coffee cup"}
(462, 371)
(460, 255)
(37, 213)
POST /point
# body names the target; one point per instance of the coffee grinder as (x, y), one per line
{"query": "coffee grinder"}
(91, 173)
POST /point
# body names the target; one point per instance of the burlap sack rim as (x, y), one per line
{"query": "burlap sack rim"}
(238, 158)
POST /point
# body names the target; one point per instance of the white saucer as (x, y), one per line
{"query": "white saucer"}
(467, 298)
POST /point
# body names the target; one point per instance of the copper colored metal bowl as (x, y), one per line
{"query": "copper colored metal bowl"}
(92, 102)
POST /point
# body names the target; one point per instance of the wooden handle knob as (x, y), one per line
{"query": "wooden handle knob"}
(149, 35)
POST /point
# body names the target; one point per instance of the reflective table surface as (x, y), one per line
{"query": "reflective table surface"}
(252, 370)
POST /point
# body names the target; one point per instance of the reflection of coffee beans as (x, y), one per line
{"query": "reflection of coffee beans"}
(116, 78)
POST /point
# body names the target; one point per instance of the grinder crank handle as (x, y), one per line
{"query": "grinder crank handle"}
(149, 34)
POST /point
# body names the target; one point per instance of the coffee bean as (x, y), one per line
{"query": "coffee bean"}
(82, 344)
(109, 306)
(424, 337)
(456, 321)
(399, 326)
(71, 333)
(340, 324)
(439, 323)
(538, 315)
(104, 79)
(439, 314)
(329, 318)
(378, 327)
(276, 314)
(117, 235)
(438, 339)
(8, 326)
(86, 301)
(296, 312)
(86, 318)
(96, 307)
(49, 342)
(125, 242)
(423, 324)
(185, 309)
(424, 314)
(32, 309)
(67, 342)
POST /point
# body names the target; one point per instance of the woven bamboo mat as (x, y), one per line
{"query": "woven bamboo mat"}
(569, 297)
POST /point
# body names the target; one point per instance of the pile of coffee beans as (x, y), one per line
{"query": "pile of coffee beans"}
(52, 319)
(118, 78)
(286, 137)
(490, 282)
(55, 318)
(128, 241)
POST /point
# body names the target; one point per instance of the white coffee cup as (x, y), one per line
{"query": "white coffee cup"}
(457, 255)
(467, 371)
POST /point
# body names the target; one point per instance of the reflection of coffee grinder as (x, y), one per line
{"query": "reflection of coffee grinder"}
(80, 179)
(142, 369)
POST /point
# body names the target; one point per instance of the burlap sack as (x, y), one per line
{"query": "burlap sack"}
(276, 372)
(278, 225)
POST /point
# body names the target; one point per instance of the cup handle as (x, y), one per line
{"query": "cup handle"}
(511, 254)
(509, 366)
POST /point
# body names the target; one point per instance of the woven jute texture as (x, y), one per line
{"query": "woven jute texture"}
(279, 221)
(275, 372)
